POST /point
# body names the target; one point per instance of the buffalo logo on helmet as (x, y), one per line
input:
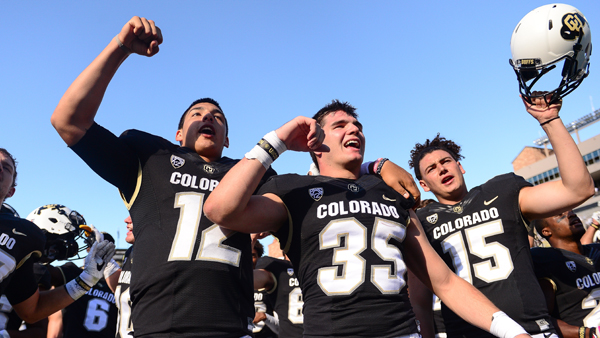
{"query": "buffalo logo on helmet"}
(177, 162)
(316, 193)
(572, 26)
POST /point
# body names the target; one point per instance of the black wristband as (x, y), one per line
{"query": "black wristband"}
(266, 146)
(552, 119)
(380, 165)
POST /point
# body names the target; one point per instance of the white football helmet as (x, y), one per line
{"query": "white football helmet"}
(544, 37)
(62, 227)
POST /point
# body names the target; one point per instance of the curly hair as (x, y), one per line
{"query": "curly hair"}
(438, 143)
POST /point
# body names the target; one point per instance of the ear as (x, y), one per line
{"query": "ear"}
(226, 145)
(462, 170)
(10, 193)
(424, 186)
(179, 135)
(546, 232)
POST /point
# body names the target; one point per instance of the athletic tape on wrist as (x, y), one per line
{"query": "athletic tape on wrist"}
(121, 45)
(504, 327)
(267, 150)
(77, 288)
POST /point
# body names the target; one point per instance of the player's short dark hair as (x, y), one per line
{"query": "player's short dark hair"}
(108, 237)
(335, 105)
(9, 155)
(438, 143)
(539, 225)
(260, 249)
(425, 202)
(207, 100)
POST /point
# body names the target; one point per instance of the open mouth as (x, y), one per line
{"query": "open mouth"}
(447, 179)
(207, 130)
(352, 144)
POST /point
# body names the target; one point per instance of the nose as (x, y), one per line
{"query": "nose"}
(208, 117)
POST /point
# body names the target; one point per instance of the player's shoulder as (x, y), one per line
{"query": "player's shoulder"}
(505, 181)
(542, 255)
(20, 228)
(141, 139)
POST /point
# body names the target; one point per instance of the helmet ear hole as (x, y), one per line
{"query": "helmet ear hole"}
(53, 220)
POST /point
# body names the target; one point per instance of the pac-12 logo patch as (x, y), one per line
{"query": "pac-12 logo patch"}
(315, 193)
(432, 218)
(177, 162)
(571, 265)
(290, 271)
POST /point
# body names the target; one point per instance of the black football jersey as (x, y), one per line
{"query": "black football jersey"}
(286, 295)
(438, 318)
(345, 240)
(483, 239)
(190, 275)
(263, 303)
(92, 315)
(21, 244)
(576, 282)
(123, 300)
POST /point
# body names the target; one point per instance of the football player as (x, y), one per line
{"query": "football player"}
(266, 323)
(349, 237)
(92, 315)
(482, 233)
(277, 276)
(190, 276)
(123, 279)
(569, 273)
(21, 243)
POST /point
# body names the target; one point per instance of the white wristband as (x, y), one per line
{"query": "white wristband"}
(504, 327)
(268, 149)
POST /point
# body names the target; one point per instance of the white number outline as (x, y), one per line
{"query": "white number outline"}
(354, 265)
(211, 243)
(478, 246)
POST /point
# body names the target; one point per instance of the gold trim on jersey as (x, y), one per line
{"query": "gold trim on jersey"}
(274, 283)
(288, 242)
(35, 252)
(138, 185)
(554, 287)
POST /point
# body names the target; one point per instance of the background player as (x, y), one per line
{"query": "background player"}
(266, 323)
(22, 243)
(92, 315)
(123, 276)
(469, 229)
(568, 273)
(359, 225)
(164, 186)
(278, 277)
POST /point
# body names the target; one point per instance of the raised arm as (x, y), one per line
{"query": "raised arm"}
(460, 296)
(399, 179)
(232, 205)
(77, 108)
(576, 184)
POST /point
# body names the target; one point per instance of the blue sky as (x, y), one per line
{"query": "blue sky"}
(412, 69)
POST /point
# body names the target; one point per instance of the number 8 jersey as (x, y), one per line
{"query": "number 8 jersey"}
(483, 239)
(189, 277)
(345, 240)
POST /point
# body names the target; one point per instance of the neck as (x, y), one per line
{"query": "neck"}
(338, 172)
(567, 244)
(453, 198)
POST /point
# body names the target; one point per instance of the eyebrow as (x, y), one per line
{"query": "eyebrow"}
(216, 110)
(431, 165)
